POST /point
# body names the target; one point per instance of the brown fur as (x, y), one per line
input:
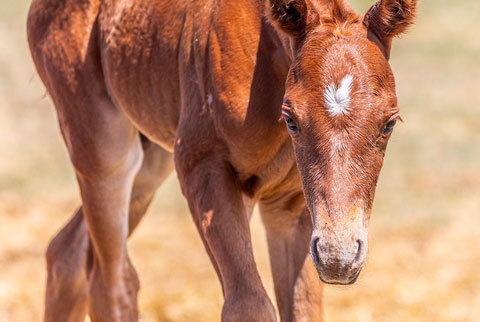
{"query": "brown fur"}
(206, 80)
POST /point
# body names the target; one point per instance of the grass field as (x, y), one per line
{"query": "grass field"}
(424, 257)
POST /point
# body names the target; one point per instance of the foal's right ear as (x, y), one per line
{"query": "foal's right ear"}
(291, 16)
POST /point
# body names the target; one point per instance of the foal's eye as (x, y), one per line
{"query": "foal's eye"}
(389, 127)
(292, 126)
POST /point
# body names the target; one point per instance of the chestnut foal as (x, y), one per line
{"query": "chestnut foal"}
(206, 83)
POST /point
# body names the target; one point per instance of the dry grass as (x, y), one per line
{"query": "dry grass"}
(425, 246)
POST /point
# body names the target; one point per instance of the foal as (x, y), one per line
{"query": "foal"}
(145, 86)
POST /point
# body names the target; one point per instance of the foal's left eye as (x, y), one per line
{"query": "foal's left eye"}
(389, 127)
(292, 126)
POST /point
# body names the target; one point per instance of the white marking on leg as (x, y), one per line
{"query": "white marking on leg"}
(338, 99)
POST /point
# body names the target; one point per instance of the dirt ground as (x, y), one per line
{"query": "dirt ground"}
(424, 257)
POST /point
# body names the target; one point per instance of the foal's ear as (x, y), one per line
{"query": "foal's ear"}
(388, 18)
(291, 16)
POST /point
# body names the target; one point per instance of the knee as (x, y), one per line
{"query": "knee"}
(248, 309)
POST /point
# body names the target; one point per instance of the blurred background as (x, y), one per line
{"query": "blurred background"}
(424, 257)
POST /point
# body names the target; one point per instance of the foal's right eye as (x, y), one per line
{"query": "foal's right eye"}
(292, 126)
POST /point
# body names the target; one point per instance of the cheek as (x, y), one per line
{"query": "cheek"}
(375, 166)
(381, 144)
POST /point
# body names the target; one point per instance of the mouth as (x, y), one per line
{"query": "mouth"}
(351, 280)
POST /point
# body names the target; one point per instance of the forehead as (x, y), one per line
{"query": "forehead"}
(331, 53)
(339, 70)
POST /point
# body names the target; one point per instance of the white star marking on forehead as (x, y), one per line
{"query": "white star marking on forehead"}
(338, 99)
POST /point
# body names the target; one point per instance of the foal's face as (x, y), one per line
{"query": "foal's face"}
(340, 109)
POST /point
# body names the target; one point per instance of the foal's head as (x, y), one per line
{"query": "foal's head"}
(340, 108)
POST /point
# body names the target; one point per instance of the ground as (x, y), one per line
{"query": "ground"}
(424, 242)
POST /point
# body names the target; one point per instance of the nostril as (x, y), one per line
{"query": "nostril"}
(359, 249)
(314, 251)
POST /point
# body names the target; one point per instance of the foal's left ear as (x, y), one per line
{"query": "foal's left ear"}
(388, 18)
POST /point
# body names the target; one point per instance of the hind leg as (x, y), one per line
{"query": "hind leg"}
(67, 283)
(106, 152)
(156, 167)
